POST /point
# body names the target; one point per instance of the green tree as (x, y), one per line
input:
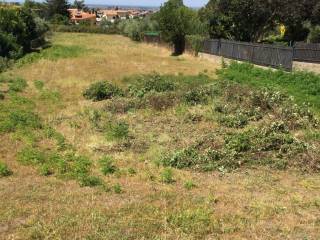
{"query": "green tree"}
(19, 29)
(175, 22)
(251, 20)
(54, 7)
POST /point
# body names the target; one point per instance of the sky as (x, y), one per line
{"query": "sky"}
(190, 3)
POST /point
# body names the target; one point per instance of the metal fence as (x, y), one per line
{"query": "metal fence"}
(260, 54)
(307, 52)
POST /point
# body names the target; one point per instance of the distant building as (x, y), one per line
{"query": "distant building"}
(121, 14)
(78, 16)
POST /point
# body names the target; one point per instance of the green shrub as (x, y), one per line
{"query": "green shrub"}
(152, 82)
(196, 96)
(81, 165)
(239, 120)
(239, 142)
(167, 176)
(90, 181)
(314, 35)
(195, 43)
(118, 131)
(102, 90)
(17, 85)
(4, 170)
(181, 159)
(107, 166)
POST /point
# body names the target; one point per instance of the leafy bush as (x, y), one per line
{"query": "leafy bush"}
(195, 42)
(196, 96)
(102, 90)
(238, 120)
(90, 181)
(238, 142)
(181, 159)
(107, 166)
(314, 35)
(119, 130)
(135, 28)
(4, 170)
(152, 82)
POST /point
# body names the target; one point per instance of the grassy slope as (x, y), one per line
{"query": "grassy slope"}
(256, 203)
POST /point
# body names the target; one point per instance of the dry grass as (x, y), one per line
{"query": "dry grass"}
(246, 204)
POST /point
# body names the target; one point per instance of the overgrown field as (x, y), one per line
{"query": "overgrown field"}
(104, 138)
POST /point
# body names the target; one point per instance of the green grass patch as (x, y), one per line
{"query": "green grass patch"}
(303, 86)
(198, 222)
(17, 113)
(17, 84)
(53, 53)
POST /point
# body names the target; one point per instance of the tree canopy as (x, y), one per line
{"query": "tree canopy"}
(250, 20)
(175, 22)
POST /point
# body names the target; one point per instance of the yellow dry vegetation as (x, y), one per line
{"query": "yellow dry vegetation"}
(255, 203)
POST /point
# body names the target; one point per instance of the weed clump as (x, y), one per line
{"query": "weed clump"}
(189, 185)
(117, 131)
(196, 96)
(90, 181)
(17, 113)
(117, 188)
(181, 159)
(17, 84)
(4, 170)
(101, 91)
(270, 145)
(167, 176)
(106, 165)
(196, 221)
